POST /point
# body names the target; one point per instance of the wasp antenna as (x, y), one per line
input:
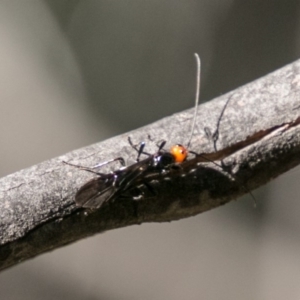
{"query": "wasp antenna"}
(196, 98)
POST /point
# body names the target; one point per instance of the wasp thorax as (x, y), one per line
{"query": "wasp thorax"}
(165, 159)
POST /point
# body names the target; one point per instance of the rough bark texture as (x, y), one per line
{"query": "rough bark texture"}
(258, 139)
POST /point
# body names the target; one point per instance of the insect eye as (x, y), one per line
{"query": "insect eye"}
(179, 153)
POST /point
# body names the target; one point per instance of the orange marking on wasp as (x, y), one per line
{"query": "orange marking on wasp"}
(179, 153)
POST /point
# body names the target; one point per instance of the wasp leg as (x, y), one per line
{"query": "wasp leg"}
(139, 150)
(160, 144)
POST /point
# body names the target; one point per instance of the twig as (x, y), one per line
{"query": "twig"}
(258, 139)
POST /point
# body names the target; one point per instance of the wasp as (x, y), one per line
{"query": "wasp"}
(125, 181)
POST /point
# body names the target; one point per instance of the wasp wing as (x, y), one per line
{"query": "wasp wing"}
(109, 186)
(95, 192)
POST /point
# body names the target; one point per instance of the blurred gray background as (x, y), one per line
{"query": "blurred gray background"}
(76, 72)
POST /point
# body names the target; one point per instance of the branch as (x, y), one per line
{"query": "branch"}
(257, 138)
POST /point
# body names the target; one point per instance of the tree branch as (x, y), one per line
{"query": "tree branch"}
(258, 139)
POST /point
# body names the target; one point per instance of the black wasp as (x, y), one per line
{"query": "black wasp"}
(124, 182)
